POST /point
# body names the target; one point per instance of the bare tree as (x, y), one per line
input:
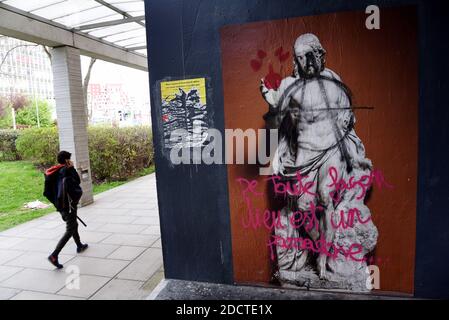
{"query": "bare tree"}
(47, 51)
(11, 50)
(86, 86)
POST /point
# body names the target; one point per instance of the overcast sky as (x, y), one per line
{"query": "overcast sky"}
(135, 81)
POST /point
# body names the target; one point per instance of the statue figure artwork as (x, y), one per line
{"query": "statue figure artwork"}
(313, 113)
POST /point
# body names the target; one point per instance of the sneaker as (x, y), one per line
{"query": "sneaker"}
(54, 261)
(82, 248)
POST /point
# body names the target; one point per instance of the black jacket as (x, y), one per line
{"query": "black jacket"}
(61, 184)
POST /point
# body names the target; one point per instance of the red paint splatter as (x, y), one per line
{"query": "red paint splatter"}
(283, 57)
(278, 51)
(272, 80)
(256, 64)
(261, 54)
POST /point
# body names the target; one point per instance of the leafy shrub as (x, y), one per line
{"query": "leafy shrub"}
(27, 115)
(25, 112)
(8, 151)
(115, 153)
(40, 145)
(119, 153)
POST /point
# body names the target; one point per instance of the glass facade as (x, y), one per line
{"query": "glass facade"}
(25, 69)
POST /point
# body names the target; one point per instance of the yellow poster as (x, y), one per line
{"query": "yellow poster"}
(172, 89)
(184, 107)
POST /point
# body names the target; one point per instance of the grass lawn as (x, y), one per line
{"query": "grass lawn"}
(21, 182)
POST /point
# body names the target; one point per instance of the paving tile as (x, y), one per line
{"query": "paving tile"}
(122, 228)
(93, 236)
(37, 260)
(105, 195)
(37, 280)
(108, 204)
(118, 289)
(19, 230)
(7, 293)
(143, 212)
(156, 230)
(147, 221)
(109, 211)
(133, 194)
(138, 199)
(36, 222)
(95, 250)
(52, 224)
(43, 234)
(7, 271)
(92, 225)
(140, 191)
(51, 217)
(13, 232)
(153, 206)
(144, 266)
(126, 253)
(130, 205)
(37, 245)
(9, 242)
(31, 295)
(8, 255)
(139, 240)
(157, 244)
(98, 266)
(152, 283)
(104, 218)
(88, 285)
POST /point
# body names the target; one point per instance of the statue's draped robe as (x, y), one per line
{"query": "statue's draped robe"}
(344, 149)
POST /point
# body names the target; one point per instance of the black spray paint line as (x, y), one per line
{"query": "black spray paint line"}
(341, 145)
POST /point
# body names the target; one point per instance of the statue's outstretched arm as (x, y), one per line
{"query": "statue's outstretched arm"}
(269, 95)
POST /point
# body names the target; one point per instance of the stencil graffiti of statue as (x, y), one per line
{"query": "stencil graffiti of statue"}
(312, 110)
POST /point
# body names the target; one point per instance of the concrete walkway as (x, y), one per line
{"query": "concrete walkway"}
(123, 261)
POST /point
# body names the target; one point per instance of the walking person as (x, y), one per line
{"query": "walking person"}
(62, 188)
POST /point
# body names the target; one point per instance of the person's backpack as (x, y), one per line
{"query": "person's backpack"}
(62, 188)
(52, 185)
(69, 185)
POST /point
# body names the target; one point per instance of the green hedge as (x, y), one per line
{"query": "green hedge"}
(115, 153)
(40, 145)
(119, 153)
(8, 151)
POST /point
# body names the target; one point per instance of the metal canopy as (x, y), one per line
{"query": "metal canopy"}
(118, 22)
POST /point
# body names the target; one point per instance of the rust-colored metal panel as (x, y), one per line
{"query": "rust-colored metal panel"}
(380, 67)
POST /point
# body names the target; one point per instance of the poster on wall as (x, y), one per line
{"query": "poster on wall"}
(184, 107)
(338, 210)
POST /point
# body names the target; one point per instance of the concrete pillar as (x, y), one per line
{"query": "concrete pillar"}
(72, 113)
